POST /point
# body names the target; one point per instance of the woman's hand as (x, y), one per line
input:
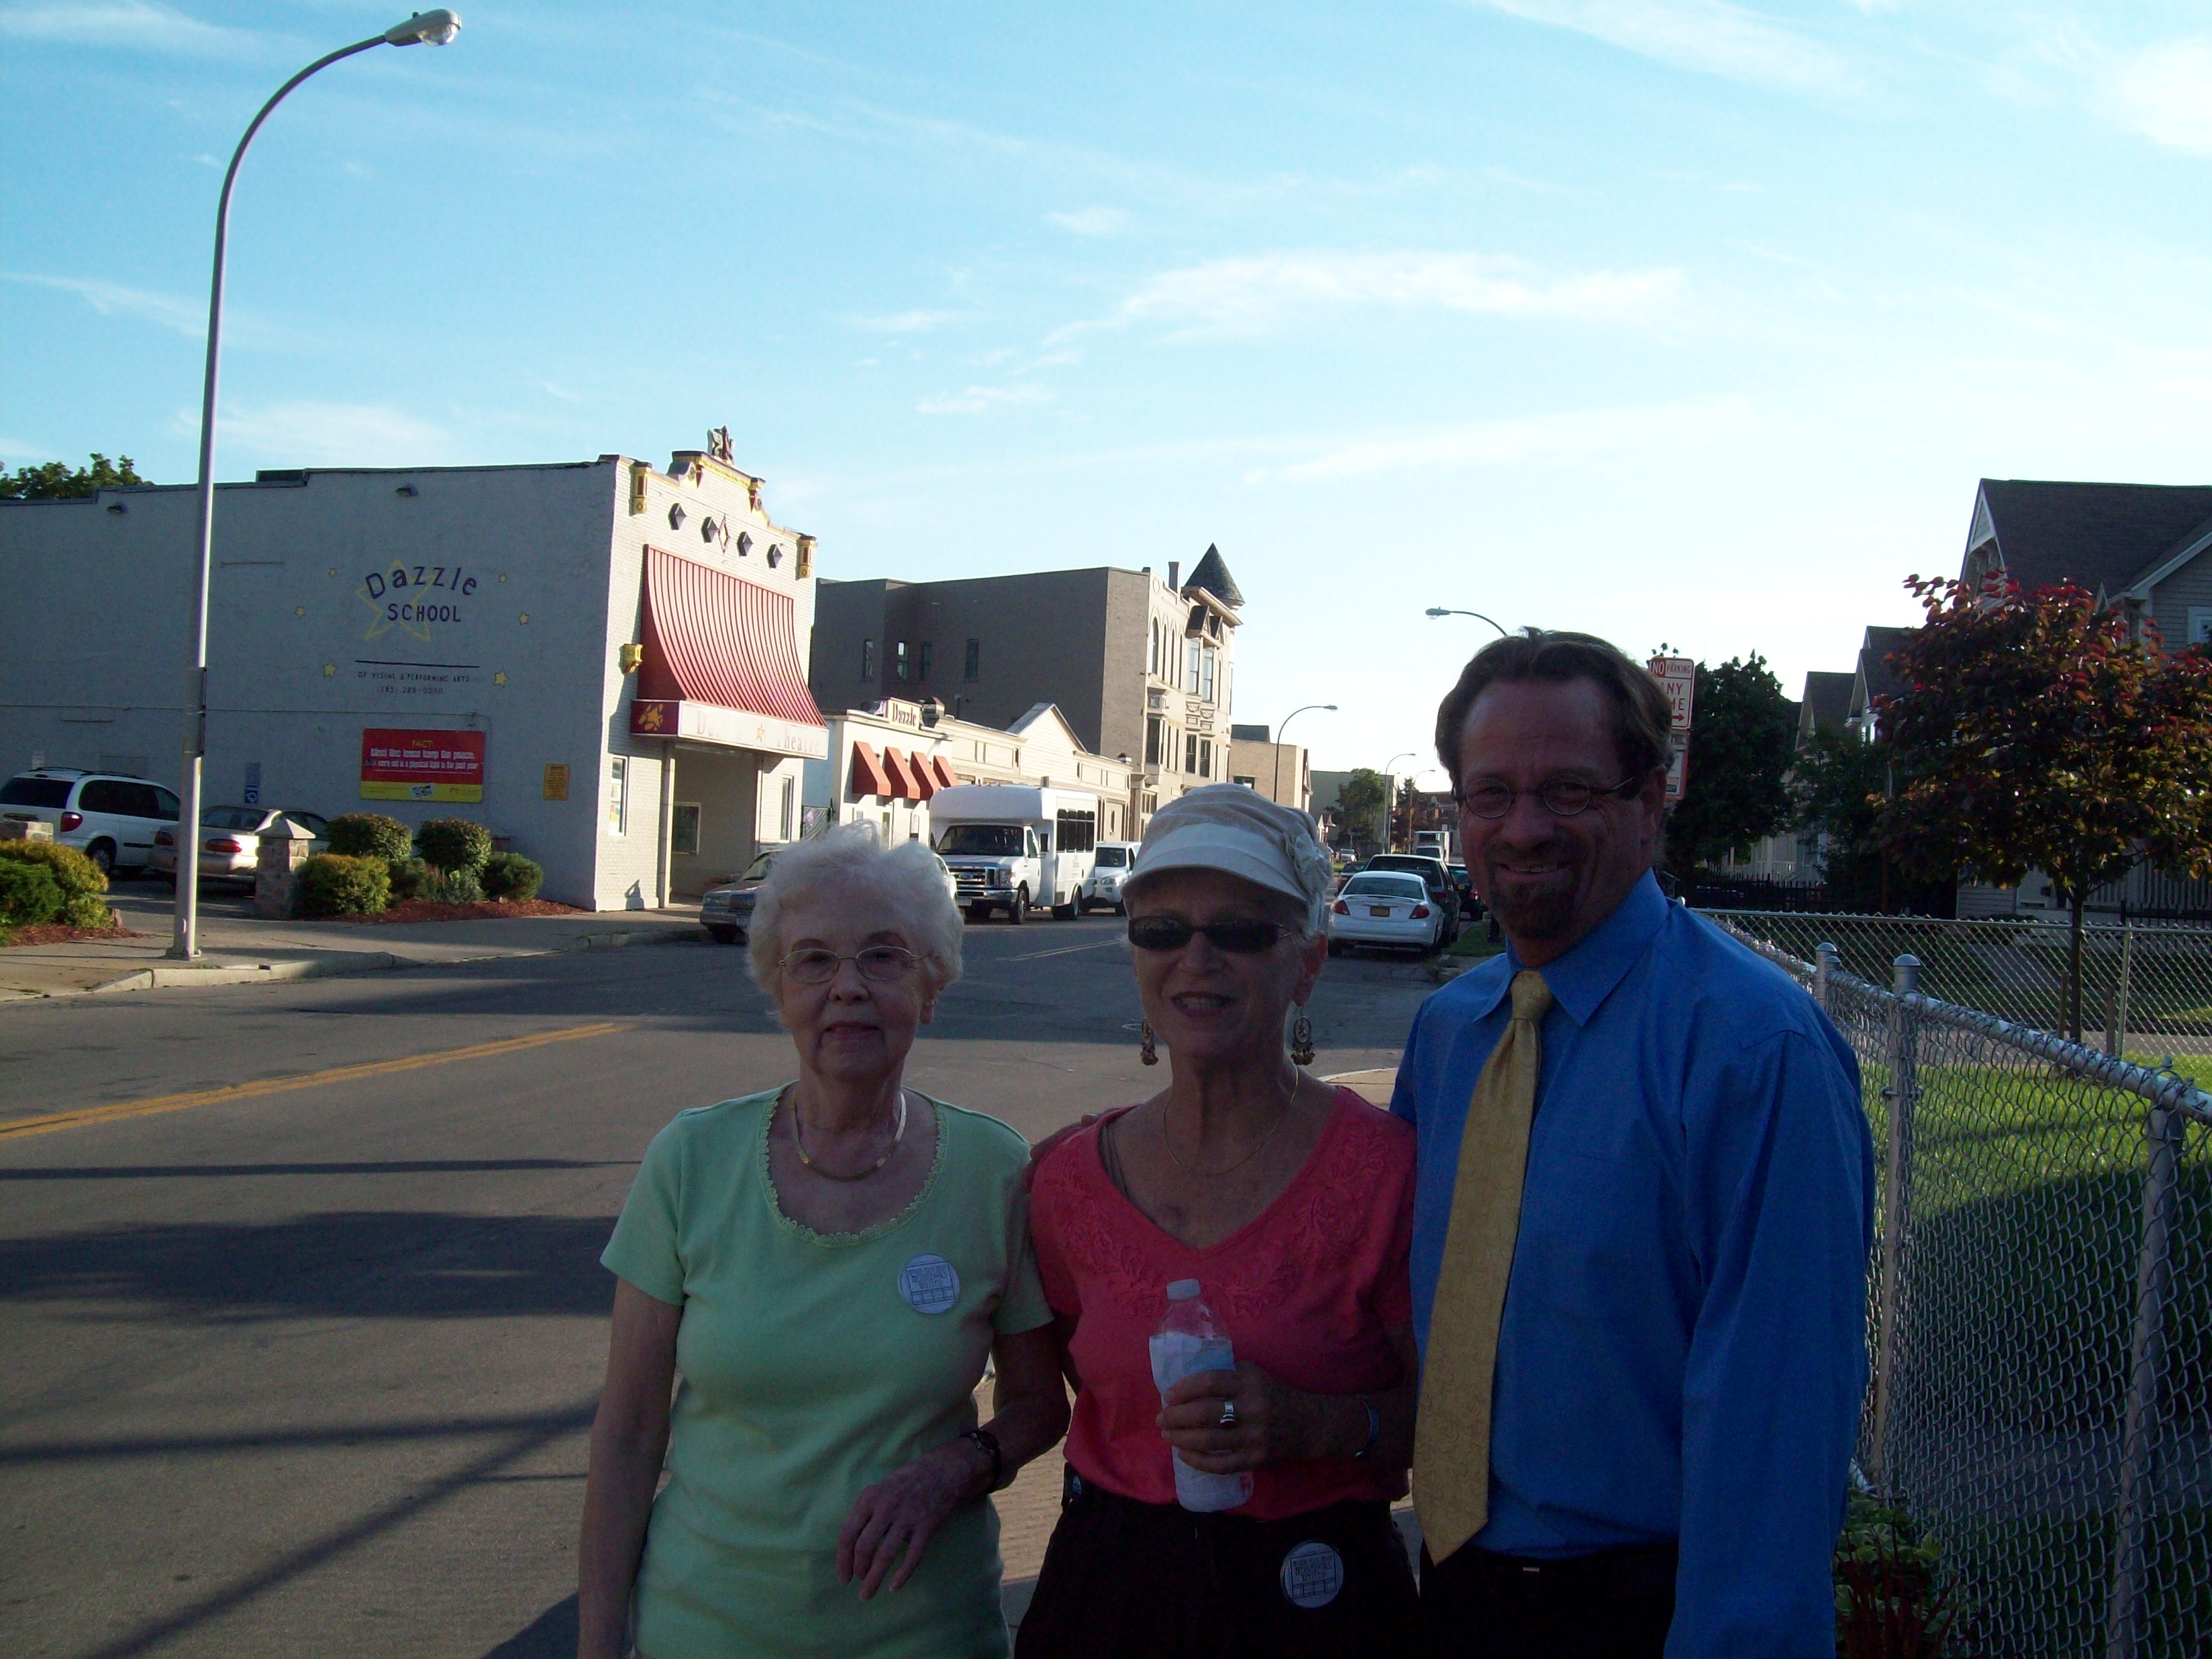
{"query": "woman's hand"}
(1274, 1422)
(892, 1522)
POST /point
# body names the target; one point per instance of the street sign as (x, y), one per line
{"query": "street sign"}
(1678, 679)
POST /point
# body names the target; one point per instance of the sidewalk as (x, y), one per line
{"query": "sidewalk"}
(240, 948)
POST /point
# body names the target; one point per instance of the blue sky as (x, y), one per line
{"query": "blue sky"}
(1670, 319)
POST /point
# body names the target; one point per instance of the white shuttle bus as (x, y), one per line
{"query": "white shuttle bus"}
(1012, 845)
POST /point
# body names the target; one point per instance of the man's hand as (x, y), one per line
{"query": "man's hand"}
(892, 1522)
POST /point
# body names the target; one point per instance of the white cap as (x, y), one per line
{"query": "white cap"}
(1182, 1290)
(1240, 832)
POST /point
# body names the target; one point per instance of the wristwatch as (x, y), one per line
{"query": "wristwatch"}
(989, 1442)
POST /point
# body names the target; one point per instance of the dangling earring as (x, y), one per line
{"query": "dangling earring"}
(1302, 1049)
(1146, 1051)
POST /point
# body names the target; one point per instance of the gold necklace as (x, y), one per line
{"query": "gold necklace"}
(1168, 1141)
(899, 1133)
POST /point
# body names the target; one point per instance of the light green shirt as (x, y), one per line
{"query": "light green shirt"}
(813, 1364)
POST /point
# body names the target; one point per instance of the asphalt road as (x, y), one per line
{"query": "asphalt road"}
(306, 1368)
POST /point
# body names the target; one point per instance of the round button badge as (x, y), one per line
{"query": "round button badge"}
(1312, 1575)
(929, 1285)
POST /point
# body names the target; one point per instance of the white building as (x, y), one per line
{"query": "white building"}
(883, 764)
(600, 661)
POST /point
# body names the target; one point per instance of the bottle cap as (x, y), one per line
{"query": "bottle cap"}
(1183, 1290)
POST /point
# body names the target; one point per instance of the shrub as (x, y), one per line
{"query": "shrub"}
(371, 836)
(87, 910)
(72, 871)
(511, 875)
(29, 895)
(334, 885)
(461, 887)
(412, 879)
(455, 844)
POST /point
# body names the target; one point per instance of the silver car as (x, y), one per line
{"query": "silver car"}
(1385, 907)
(727, 912)
(230, 839)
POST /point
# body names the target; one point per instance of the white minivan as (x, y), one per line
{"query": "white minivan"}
(1109, 868)
(112, 820)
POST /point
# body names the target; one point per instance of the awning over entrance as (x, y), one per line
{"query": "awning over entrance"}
(869, 776)
(904, 784)
(721, 663)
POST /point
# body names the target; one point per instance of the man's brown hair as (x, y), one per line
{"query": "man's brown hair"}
(1643, 716)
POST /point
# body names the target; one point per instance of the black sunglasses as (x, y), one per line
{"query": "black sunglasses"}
(1241, 939)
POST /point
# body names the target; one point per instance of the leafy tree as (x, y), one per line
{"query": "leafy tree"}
(54, 482)
(1359, 801)
(2035, 732)
(1743, 737)
(1839, 782)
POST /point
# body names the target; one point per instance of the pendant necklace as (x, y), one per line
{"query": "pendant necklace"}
(1168, 1141)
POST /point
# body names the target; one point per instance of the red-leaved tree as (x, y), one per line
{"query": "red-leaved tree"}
(2037, 731)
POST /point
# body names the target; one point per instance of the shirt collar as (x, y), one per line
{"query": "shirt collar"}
(1583, 978)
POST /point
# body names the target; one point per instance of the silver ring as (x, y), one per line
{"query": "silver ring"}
(1228, 1413)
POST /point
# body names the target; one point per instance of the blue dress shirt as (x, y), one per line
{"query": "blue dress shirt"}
(1683, 1347)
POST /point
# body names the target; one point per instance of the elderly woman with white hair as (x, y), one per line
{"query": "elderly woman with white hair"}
(1290, 1204)
(828, 1265)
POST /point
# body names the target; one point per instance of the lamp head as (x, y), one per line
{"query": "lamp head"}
(1438, 611)
(433, 29)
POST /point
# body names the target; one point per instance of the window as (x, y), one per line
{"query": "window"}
(618, 794)
(1152, 724)
(922, 660)
(1245, 783)
(1190, 664)
(973, 668)
(1206, 674)
(683, 830)
(1205, 757)
(898, 657)
(36, 791)
(790, 817)
(1190, 751)
(1152, 648)
(1078, 831)
(867, 659)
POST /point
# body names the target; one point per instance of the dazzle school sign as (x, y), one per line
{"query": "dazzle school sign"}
(411, 765)
(412, 597)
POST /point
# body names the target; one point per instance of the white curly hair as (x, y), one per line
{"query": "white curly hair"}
(906, 883)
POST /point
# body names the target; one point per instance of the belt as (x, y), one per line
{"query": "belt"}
(1632, 1572)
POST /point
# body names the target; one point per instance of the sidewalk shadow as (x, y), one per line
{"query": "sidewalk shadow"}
(551, 1635)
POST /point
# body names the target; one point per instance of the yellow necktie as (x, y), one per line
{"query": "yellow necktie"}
(1451, 1436)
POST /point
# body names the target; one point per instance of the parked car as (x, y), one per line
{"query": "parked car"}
(1443, 890)
(1385, 907)
(232, 851)
(1464, 884)
(727, 912)
(1102, 887)
(111, 819)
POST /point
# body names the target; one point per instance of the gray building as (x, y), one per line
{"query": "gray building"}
(1139, 666)
(600, 662)
(2144, 550)
(1277, 770)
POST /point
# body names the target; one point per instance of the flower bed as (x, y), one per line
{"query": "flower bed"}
(55, 932)
(487, 910)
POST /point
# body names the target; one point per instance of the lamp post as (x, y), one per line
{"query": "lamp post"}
(425, 27)
(1390, 792)
(1275, 792)
(1441, 610)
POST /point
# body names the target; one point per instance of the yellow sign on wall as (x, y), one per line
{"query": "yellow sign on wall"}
(557, 782)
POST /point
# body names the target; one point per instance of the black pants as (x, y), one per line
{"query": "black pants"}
(1125, 1580)
(1616, 1604)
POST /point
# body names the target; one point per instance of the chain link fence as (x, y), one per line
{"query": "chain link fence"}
(2040, 1318)
(2146, 986)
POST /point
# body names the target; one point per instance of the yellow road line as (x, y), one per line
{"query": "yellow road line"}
(274, 1085)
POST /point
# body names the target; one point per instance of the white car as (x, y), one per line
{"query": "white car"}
(1385, 907)
(230, 843)
(112, 820)
(1102, 887)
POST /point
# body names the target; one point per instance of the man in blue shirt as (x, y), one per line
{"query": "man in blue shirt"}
(1679, 1355)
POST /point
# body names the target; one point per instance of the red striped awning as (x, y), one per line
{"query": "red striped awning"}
(869, 776)
(715, 639)
(903, 787)
(923, 770)
(944, 777)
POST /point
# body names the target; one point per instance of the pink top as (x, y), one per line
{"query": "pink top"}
(1309, 1289)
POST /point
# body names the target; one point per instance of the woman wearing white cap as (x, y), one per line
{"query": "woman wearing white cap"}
(1291, 1203)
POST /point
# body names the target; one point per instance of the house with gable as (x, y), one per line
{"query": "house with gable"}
(2144, 550)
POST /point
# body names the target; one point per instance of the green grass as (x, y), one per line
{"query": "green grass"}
(1473, 943)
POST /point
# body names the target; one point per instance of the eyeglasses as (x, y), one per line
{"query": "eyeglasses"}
(880, 962)
(1241, 938)
(1563, 798)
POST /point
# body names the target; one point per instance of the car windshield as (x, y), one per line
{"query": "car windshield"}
(36, 792)
(1387, 886)
(988, 841)
(758, 870)
(1113, 858)
(1425, 868)
(231, 817)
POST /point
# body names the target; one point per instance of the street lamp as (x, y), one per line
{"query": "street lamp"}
(432, 28)
(1390, 793)
(1440, 611)
(1276, 792)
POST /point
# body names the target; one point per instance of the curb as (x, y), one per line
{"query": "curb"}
(181, 978)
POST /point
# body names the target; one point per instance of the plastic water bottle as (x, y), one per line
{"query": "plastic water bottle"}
(1190, 1339)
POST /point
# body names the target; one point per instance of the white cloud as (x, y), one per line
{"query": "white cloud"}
(305, 433)
(1658, 429)
(1256, 294)
(1710, 36)
(1091, 220)
(114, 300)
(129, 25)
(977, 398)
(906, 322)
(2165, 92)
